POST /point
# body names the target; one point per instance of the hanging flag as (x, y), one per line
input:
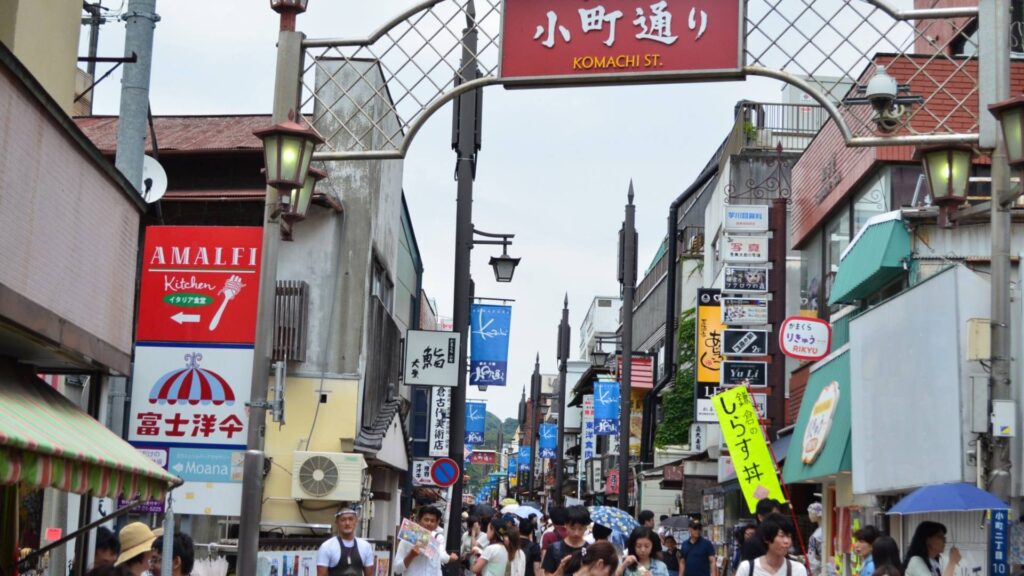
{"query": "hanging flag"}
(755, 468)
(476, 422)
(548, 441)
(513, 466)
(589, 441)
(606, 408)
(524, 458)
(489, 328)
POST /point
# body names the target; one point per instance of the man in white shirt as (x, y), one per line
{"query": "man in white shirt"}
(344, 554)
(411, 560)
(776, 531)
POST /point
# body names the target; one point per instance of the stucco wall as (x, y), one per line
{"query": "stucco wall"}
(43, 34)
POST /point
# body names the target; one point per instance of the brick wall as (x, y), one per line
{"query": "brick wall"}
(68, 234)
(829, 171)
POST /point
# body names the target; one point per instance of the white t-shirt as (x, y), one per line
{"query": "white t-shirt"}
(797, 568)
(497, 557)
(329, 553)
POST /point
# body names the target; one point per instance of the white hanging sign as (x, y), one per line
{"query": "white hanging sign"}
(440, 413)
(431, 358)
(744, 249)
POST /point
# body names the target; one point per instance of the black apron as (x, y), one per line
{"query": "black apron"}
(350, 564)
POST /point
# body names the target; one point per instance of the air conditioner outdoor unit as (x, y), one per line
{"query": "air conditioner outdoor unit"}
(327, 476)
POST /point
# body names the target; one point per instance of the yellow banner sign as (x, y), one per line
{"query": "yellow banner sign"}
(709, 337)
(755, 468)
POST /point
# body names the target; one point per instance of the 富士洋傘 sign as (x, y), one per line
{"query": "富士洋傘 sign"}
(562, 41)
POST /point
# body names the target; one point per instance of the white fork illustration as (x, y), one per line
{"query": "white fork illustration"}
(231, 289)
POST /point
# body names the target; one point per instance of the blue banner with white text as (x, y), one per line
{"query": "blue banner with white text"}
(488, 337)
(513, 466)
(476, 422)
(606, 408)
(548, 441)
(524, 458)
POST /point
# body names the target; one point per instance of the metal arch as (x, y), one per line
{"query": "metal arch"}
(414, 126)
(412, 48)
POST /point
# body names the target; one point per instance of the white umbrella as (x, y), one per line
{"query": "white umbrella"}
(526, 511)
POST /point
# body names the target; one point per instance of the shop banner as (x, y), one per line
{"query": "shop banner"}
(489, 328)
(709, 351)
(439, 421)
(513, 466)
(486, 457)
(606, 408)
(589, 437)
(524, 458)
(741, 430)
(548, 441)
(476, 422)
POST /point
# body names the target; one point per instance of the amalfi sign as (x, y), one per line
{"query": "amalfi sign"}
(597, 41)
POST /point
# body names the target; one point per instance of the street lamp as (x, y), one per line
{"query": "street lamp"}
(504, 265)
(1010, 114)
(287, 151)
(948, 169)
(598, 355)
(295, 204)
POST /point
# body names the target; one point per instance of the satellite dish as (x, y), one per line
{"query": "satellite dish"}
(154, 180)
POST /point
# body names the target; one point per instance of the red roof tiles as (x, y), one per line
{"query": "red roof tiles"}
(183, 133)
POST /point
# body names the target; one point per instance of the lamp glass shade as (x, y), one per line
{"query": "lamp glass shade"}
(299, 198)
(948, 171)
(504, 267)
(287, 151)
(1010, 114)
(599, 357)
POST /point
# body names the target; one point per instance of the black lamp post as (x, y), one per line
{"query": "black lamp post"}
(948, 169)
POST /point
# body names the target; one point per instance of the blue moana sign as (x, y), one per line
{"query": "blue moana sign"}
(606, 408)
(548, 441)
(489, 329)
(476, 422)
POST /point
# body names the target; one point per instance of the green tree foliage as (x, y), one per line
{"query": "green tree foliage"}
(678, 403)
(478, 472)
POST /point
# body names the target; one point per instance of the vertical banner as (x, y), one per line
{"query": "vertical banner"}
(489, 328)
(439, 421)
(476, 422)
(636, 420)
(524, 458)
(755, 468)
(513, 466)
(709, 352)
(588, 427)
(606, 408)
(548, 441)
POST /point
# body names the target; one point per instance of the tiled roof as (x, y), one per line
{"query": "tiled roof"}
(372, 438)
(183, 133)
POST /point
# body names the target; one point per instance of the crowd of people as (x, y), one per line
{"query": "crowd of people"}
(568, 543)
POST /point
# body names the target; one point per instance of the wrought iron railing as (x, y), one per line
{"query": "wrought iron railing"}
(768, 126)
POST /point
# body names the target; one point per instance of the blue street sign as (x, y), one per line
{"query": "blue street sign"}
(489, 329)
(548, 441)
(999, 543)
(476, 422)
(606, 408)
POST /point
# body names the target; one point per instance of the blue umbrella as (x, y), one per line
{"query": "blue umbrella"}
(613, 518)
(957, 497)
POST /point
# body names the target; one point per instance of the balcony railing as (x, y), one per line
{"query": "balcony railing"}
(766, 126)
(383, 360)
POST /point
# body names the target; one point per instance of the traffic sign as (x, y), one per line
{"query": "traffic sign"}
(200, 284)
(444, 472)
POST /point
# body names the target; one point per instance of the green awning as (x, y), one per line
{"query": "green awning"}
(875, 258)
(48, 442)
(830, 433)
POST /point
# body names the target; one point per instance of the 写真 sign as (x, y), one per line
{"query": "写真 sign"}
(744, 311)
(746, 218)
(431, 358)
(805, 338)
(744, 249)
(742, 343)
(745, 279)
(568, 42)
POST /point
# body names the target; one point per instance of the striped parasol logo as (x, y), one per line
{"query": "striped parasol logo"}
(192, 385)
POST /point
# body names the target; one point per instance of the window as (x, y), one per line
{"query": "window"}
(837, 238)
(420, 413)
(604, 303)
(871, 201)
(810, 276)
(907, 182)
(381, 286)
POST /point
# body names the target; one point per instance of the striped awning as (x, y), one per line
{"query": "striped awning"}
(48, 442)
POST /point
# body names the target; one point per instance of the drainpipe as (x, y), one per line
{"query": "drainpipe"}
(647, 453)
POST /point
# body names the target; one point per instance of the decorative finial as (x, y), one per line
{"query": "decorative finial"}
(630, 195)
(566, 302)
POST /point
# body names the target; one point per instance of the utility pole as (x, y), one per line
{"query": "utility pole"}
(994, 86)
(140, 20)
(564, 332)
(285, 107)
(94, 22)
(466, 143)
(532, 428)
(627, 276)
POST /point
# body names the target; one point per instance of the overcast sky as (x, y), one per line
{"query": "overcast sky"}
(554, 168)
